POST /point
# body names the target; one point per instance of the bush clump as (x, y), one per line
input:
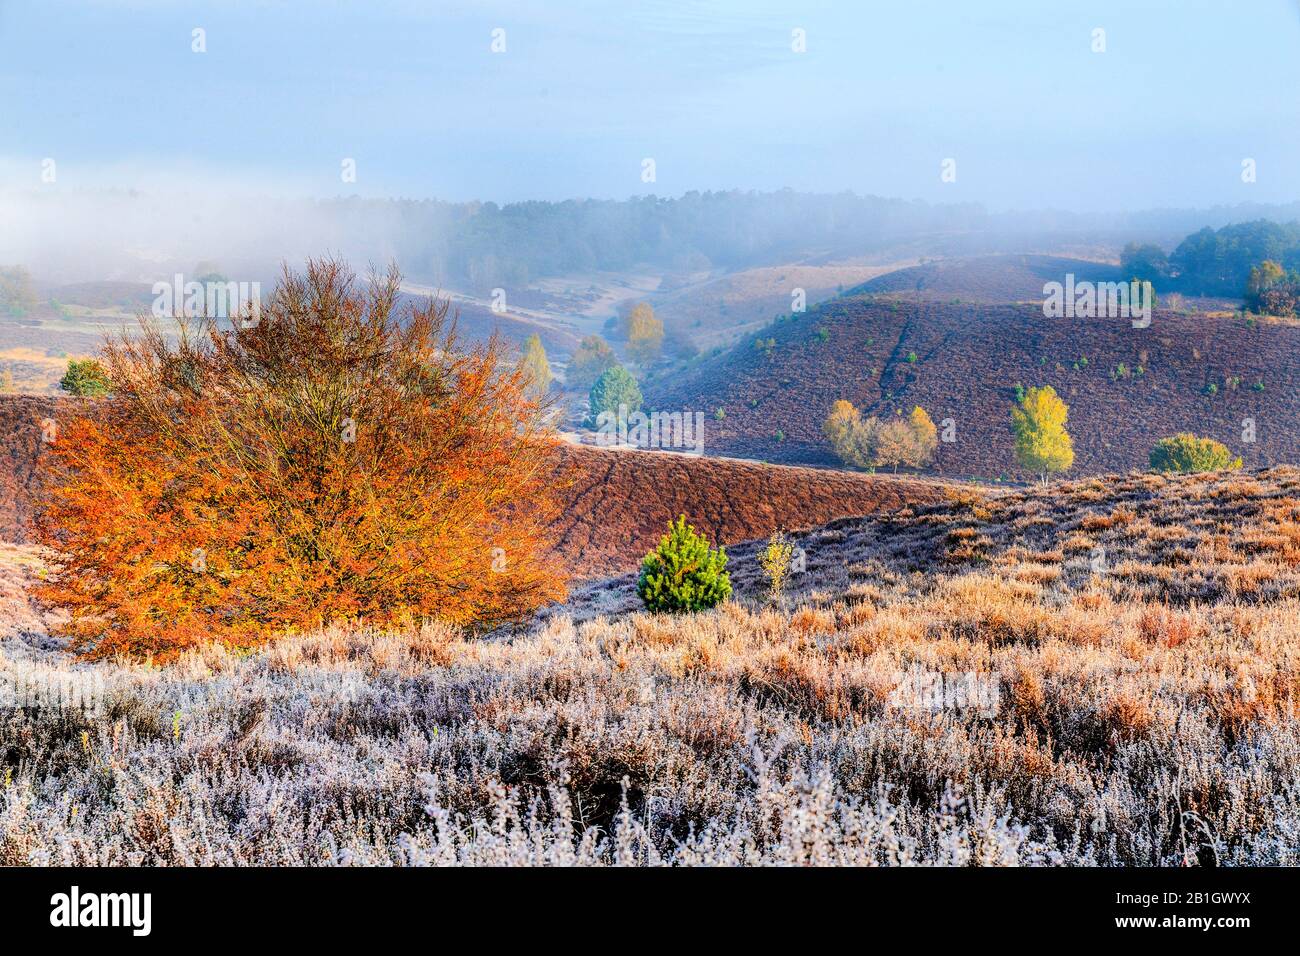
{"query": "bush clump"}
(683, 573)
(1187, 453)
(85, 378)
(1271, 290)
(592, 359)
(871, 443)
(339, 459)
(615, 389)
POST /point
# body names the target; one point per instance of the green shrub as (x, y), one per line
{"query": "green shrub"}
(615, 387)
(1186, 453)
(683, 573)
(86, 378)
(1145, 262)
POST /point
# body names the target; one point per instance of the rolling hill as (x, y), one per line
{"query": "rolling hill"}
(622, 501)
(995, 278)
(618, 503)
(724, 308)
(1014, 278)
(1126, 387)
(476, 322)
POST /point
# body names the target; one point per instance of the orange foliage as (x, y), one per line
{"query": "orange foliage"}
(338, 458)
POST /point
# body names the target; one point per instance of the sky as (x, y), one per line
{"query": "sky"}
(713, 92)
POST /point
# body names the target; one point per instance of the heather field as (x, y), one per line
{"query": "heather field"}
(1101, 673)
(960, 358)
(987, 279)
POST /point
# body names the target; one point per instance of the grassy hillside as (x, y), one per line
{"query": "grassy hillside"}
(1126, 387)
(723, 309)
(1016, 702)
(475, 324)
(621, 502)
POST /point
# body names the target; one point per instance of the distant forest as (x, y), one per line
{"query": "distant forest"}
(479, 245)
(1218, 262)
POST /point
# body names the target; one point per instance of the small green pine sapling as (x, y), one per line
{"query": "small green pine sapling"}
(683, 573)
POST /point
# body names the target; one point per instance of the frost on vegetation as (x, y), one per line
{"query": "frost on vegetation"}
(1140, 712)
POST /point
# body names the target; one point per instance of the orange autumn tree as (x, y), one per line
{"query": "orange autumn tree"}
(333, 458)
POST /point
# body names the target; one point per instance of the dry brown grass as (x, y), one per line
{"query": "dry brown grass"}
(1123, 700)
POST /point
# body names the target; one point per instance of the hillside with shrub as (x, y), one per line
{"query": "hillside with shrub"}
(1126, 388)
(618, 503)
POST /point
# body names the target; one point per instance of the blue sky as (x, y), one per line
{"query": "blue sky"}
(711, 91)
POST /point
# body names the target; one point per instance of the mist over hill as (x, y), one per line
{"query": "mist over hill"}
(86, 235)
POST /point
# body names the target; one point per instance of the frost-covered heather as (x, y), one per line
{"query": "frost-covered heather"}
(1147, 713)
